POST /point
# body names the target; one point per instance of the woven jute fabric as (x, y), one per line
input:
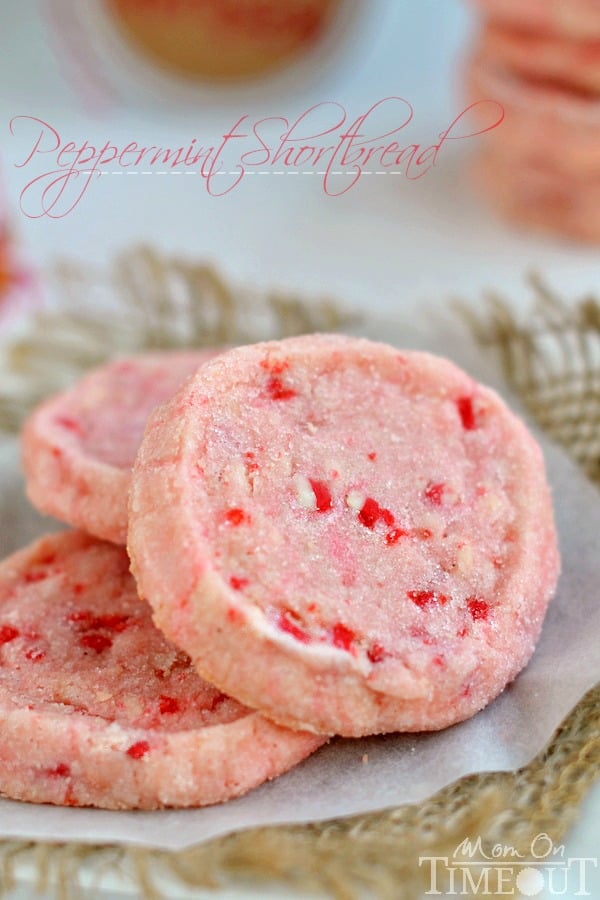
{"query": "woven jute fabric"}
(550, 356)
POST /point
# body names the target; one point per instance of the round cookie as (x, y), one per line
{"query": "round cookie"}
(221, 40)
(349, 538)
(540, 198)
(78, 447)
(98, 709)
(544, 122)
(571, 18)
(573, 63)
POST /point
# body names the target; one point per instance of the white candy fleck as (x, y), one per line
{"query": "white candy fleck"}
(235, 477)
(311, 427)
(464, 558)
(432, 521)
(493, 503)
(304, 491)
(355, 500)
(133, 706)
(102, 696)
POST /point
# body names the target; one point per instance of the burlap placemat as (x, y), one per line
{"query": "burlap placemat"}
(550, 356)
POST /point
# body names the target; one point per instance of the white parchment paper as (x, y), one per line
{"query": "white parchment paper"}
(400, 769)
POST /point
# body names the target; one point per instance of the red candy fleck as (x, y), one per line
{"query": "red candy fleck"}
(425, 598)
(393, 536)
(68, 423)
(35, 655)
(434, 493)
(422, 533)
(438, 661)
(238, 584)
(168, 704)
(288, 623)
(8, 634)
(422, 634)
(322, 495)
(97, 642)
(80, 615)
(372, 455)
(466, 413)
(112, 621)
(251, 464)
(217, 701)
(62, 770)
(235, 516)
(276, 366)
(462, 632)
(34, 577)
(47, 560)
(372, 512)
(139, 749)
(116, 622)
(342, 636)
(376, 653)
(479, 609)
(277, 391)
(369, 514)
(70, 798)
(234, 616)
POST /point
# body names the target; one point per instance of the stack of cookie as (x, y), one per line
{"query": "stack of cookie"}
(541, 60)
(330, 537)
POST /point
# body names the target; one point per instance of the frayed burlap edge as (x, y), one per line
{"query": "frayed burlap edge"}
(377, 853)
(142, 302)
(551, 358)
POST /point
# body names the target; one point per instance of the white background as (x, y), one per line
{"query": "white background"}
(386, 245)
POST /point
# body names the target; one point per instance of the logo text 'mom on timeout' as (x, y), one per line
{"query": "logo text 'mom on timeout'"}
(506, 872)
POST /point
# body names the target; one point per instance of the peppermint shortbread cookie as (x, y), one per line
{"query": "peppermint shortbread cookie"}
(79, 446)
(97, 708)
(349, 538)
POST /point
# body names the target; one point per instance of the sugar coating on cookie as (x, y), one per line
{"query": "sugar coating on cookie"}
(97, 708)
(347, 537)
(79, 446)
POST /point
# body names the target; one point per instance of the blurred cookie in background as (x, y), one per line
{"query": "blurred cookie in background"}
(544, 122)
(178, 53)
(544, 57)
(221, 39)
(541, 61)
(570, 18)
(540, 198)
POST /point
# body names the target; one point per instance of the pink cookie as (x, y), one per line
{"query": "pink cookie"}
(98, 709)
(572, 18)
(574, 63)
(349, 538)
(540, 197)
(544, 122)
(79, 447)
